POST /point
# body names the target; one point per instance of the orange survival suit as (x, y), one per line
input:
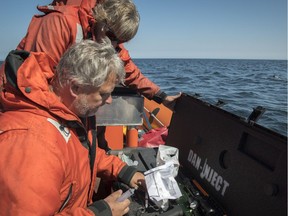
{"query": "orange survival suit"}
(63, 25)
(47, 163)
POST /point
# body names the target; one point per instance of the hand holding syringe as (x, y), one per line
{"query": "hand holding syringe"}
(126, 195)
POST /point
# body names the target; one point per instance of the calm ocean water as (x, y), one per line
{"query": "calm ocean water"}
(241, 84)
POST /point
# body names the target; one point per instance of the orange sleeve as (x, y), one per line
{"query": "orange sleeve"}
(108, 166)
(134, 78)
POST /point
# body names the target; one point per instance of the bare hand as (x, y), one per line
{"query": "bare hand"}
(170, 101)
(138, 180)
(117, 208)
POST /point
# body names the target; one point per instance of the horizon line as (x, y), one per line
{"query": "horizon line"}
(208, 58)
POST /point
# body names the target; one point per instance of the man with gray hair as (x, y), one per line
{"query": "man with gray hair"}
(48, 162)
(65, 22)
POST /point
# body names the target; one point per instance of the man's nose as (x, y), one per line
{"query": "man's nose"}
(109, 100)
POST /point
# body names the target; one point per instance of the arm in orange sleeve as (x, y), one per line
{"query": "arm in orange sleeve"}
(134, 78)
(111, 167)
(50, 34)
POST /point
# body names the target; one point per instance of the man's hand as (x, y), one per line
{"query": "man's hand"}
(138, 180)
(170, 101)
(117, 208)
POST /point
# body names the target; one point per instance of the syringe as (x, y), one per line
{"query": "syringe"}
(126, 195)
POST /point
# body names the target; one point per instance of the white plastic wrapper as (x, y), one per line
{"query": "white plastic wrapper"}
(168, 154)
(161, 185)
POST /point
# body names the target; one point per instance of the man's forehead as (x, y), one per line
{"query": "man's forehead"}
(110, 83)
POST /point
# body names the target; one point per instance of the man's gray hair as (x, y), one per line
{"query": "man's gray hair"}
(121, 16)
(89, 63)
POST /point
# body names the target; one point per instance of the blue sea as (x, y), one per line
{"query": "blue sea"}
(241, 84)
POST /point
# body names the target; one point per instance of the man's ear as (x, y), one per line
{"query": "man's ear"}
(74, 88)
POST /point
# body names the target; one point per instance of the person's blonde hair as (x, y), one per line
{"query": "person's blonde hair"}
(121, 16)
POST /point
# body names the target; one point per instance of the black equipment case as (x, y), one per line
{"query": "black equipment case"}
(228, 165)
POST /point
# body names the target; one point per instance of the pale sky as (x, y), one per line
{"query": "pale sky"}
(246, 29)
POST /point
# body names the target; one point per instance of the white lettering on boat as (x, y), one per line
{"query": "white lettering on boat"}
(194, 159)
(208, 173)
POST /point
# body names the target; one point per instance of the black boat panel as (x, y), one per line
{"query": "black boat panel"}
(239, 163)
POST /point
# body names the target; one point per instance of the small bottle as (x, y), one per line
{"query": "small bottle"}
(132, 137)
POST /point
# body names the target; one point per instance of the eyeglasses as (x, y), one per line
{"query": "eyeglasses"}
(101, 30)
(110, 34)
